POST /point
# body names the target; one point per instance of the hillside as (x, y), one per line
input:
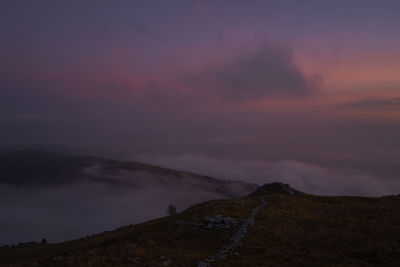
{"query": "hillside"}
(274, 226)
(35, 167)
(62, 197)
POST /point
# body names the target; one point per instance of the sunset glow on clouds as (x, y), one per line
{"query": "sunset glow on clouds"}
(136, 77)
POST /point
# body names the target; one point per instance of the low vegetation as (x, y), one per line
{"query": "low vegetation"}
(290, 230)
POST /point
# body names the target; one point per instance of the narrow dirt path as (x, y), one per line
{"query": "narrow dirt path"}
(235, 240)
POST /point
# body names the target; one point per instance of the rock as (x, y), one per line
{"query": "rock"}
(210, 258)
(208, 220)
(133, 260)
(236, 238)
(209, 226)
(203, 264)
(219, 219)
(230, 220)
(275, 188)
(165, 261)
(219, 222)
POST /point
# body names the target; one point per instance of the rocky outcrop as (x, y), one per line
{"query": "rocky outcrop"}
(218, 222)
(235, 240)
(275, 188)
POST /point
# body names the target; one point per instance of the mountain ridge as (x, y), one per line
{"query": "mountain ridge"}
(50, 168)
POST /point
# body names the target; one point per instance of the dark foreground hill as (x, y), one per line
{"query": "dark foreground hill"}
(274, 226)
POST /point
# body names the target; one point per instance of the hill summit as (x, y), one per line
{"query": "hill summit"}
(275, 188)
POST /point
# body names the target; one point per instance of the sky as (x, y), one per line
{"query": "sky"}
(305, 92)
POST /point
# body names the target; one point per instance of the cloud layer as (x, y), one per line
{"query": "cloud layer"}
(309, 178)
(83, 207)
(266, 72)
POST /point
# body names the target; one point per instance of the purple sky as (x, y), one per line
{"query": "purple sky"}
(300, 91)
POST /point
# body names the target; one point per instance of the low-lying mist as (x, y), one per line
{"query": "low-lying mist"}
(309, 178)
(78, 209)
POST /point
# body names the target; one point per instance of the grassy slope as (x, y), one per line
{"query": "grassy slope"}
(301, 231)
(324, 231)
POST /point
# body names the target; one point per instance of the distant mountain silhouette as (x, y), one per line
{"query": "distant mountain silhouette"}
(41, 168)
